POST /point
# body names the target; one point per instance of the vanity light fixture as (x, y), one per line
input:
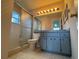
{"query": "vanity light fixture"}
(47, 11)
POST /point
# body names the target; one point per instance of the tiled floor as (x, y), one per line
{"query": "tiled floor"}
(36, 54)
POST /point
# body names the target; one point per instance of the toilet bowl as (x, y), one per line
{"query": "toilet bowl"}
(32, 43)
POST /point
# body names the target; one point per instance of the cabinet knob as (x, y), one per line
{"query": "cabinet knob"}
(54, 39)
(50, 38)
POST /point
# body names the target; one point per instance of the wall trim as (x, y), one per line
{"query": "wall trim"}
(16, 50)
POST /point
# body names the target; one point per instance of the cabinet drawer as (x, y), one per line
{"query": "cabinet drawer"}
(64, 34)
(53, 34)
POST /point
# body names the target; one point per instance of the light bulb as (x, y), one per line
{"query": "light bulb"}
(45, 11)
(41, 12)
(51, 9)
(55, 8)
(48, 10)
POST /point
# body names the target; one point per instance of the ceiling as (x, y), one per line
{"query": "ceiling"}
(33, 4)
(30, 5)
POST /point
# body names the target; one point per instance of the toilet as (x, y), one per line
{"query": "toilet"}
(33, 42)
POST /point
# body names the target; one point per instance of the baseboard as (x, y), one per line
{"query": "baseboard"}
(16, 50)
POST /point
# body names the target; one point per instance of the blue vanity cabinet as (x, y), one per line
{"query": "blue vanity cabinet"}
(56, 41)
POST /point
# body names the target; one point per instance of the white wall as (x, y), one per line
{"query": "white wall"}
(6, 9)
(14, 36)
(72, 24)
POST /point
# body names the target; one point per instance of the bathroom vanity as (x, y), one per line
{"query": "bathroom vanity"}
(56, 42)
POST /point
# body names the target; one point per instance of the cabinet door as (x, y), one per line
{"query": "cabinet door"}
(65, 46)
(53, 44)
(43, 43)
